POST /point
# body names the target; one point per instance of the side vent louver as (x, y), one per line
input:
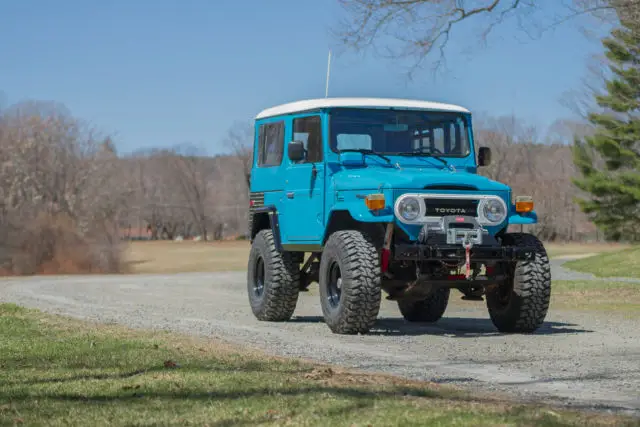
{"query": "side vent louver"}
(256, 200)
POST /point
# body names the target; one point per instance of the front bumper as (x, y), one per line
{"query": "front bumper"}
(447, 244)
(446, 252)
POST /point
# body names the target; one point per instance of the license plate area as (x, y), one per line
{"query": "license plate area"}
(460, 236)
(462, 230)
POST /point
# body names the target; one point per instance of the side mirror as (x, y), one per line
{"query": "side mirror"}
(484, 156)
(296, 151)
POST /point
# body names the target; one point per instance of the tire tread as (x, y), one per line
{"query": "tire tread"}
(360, 299)
(282, 277)
(532, 286)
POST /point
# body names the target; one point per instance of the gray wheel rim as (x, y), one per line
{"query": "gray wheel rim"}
(258, 277)
(334, 285)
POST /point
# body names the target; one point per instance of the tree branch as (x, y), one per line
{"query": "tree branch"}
(417, 28)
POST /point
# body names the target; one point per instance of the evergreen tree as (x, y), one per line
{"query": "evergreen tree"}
(609, 159)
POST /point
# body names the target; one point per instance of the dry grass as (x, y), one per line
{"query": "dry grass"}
(188, 256)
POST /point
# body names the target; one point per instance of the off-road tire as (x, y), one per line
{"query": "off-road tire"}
(529, 297)
(279, 296)
(355, 255)
(428, 310)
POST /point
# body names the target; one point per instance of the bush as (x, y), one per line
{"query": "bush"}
(53, 245)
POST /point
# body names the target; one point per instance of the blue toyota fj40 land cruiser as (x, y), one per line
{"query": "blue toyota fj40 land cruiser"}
(384, 195)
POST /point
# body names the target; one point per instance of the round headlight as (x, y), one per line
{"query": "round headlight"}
(494, 211)
(409, 208)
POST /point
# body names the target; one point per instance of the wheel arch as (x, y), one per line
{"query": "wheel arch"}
(265, 218)
(343, 220)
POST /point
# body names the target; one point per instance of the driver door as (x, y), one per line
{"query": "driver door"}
(304, 186)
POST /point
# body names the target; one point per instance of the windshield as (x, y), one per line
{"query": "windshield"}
(400, 132)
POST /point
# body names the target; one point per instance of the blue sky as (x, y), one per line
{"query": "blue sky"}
(168, 72)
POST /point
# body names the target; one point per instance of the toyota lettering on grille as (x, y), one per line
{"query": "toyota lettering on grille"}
(442, 207)
(450, 210)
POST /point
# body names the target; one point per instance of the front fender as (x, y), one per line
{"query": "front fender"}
(516, 218)
(363, 214)
(354, 203)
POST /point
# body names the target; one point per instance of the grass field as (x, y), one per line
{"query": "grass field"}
(622, 263)
(189, 256)
(57, 371)
(186, 256)
(559, 250)
(613, 298)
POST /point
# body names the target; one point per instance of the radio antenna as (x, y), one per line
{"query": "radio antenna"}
(326, 91)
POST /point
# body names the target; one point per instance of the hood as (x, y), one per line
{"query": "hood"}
(412, 179)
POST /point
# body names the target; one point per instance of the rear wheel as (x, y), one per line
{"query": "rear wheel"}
(350, 283)
(272, 280)
(520, 305)
(430, 309)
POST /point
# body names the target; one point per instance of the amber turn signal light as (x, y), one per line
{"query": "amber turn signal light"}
(375, 201)
(524, 204)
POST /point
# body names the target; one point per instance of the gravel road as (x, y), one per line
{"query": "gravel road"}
(575, 359)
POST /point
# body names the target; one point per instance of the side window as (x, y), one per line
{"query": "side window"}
(438, 140)
(256, 152)
(271, 144)
(309, 131)
(456, 139)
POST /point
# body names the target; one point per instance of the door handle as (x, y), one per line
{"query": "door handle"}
(290, 195)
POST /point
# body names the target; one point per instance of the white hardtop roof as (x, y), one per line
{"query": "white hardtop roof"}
(313, 104)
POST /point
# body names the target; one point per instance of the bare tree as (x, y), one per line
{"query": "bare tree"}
(180, 191)
(162, 205)
(419, 27)
(231, 195)
(60, 194)
(540, 166)
(157, 203)
(193, 173)
(240, 139)
(564, 131)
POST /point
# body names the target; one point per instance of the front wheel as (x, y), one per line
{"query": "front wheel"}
(520, 305)
(273, 280)
(350, 283)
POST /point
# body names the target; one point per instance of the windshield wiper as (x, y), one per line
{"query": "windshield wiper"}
(430, 155)
(365, 151)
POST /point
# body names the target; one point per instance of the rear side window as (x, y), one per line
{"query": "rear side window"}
(270, 144)
(309, 131)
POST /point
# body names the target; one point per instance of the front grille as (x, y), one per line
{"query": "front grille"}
(442, 207)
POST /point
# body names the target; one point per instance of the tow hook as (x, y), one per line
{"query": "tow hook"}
(467, 258)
